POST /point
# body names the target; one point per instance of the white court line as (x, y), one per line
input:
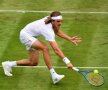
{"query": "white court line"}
(33, 11)
(58, 67)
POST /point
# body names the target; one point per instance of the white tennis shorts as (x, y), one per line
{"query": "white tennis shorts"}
(27, 40)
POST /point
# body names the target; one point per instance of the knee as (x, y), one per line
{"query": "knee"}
(33, 63)
(45, 48)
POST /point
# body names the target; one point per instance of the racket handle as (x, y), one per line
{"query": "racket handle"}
(74, 68)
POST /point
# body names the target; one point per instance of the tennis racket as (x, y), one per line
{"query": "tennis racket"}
(95, 79)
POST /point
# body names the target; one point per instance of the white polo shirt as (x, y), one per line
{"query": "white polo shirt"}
(38, 28)
(35, 29)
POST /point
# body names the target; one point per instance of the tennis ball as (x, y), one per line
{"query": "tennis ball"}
(95, 71)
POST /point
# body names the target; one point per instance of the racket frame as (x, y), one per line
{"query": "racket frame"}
(85, 72)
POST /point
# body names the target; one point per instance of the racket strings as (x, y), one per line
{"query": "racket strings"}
(95, 79)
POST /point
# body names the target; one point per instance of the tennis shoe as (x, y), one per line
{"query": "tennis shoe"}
(7, 69)
(57, 78)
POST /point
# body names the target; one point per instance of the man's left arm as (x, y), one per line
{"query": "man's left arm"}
(74, 39)
(63, 35)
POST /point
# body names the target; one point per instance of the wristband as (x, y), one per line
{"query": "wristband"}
(66, 60)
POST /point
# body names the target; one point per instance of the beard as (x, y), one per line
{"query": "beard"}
(56, 28)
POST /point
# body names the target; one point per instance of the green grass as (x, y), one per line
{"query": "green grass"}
(92, 51)
(67, 5)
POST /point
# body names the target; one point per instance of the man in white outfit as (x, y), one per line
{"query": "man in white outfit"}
(48, 27)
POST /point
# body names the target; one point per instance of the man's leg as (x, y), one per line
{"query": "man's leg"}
(32, 61)
(41, 46)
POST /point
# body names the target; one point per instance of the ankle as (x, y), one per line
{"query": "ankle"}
(12, 63)
(52, 71)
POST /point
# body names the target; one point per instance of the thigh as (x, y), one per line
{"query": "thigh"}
(39, 45)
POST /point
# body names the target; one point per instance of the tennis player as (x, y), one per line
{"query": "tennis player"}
(48, 27)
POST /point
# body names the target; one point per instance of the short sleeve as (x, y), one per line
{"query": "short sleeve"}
(49, 35)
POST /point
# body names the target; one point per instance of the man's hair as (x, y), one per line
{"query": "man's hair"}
(53, 14)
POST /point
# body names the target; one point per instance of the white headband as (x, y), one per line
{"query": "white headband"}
(56, 17)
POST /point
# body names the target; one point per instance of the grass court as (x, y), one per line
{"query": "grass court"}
(87, 19)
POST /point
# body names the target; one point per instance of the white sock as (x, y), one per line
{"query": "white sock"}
(12, 63)
(52, 71)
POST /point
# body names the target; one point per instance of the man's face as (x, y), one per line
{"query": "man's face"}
(56, 23)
